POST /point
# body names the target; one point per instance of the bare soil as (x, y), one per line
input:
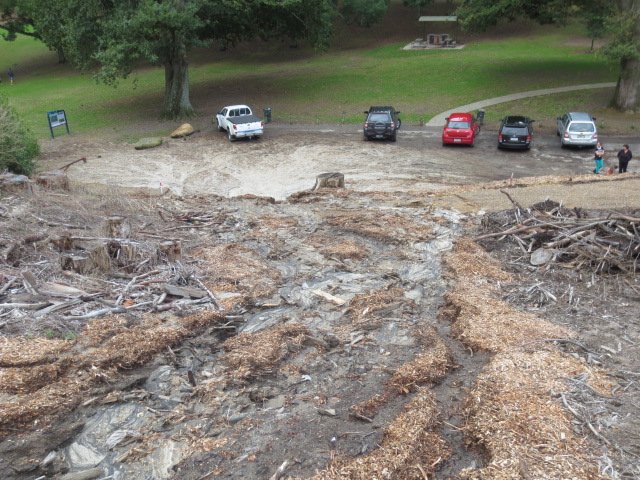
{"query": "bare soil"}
(359, 332)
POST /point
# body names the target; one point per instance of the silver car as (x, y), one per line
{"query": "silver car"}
(577, 128)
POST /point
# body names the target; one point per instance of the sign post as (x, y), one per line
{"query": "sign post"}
(57, 118)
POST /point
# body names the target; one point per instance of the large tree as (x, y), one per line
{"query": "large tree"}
(623, 22)
(115, 36)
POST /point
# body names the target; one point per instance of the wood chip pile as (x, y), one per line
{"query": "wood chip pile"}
(376, 225)
(515, 412)
(42, 391)
(236, 268)
(608, 243)
(408, 448)
(428, 367)
(249, 355)
(343, 250)
(367, 310)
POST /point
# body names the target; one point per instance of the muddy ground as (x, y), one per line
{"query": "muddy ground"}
(355, 333)
(288, 158)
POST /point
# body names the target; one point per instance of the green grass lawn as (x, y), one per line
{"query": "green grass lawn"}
(302, 86)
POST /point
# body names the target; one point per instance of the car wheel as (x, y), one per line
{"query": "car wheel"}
(393, 137)
(220, 129)
(229, 136)
(367, 138)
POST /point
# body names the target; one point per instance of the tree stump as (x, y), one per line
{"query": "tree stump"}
(170, 249)
(63, 242)
(117, 227)
(77, 263)
(122, 254)
(100, 258)
(53, 180)
(329, 180)
(10, 182)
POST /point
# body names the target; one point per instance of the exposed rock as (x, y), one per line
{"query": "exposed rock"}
(83, 456)
(541, 256)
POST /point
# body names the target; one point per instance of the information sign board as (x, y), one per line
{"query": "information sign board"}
(57, 118)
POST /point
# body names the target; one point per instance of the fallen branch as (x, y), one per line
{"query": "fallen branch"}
(209, 292)
(66, 167)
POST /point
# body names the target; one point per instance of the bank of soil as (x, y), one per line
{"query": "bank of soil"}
(335, 334)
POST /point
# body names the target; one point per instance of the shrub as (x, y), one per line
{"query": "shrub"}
(18, 146)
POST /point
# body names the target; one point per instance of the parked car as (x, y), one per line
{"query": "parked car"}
(239, 122)
(577, 128)
(460, 128)
(515, 132)
(381, 122)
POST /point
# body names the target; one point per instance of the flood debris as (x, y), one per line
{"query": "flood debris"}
(549, 232)
(193, 338)
(517, 411)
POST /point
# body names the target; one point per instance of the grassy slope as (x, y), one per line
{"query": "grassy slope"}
(302, 86)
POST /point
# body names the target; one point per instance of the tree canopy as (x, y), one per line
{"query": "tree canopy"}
(620, 19)
(116, 35)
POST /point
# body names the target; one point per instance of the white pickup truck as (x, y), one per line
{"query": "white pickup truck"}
(239, 122)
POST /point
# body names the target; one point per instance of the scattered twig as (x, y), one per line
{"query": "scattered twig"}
(280, 471)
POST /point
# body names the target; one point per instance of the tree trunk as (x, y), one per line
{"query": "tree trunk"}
(176, 83)
(61, 56)
(627, 96)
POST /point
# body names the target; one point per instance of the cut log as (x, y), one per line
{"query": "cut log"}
(171, 250)
(183, 130)
(185, 292)
(329, 180)
(56, 179)
(84, 475)
(145, 143)
(117, 227)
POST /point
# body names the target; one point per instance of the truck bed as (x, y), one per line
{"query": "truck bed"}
(244, 119)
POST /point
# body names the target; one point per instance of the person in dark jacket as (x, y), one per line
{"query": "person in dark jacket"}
(624, 156)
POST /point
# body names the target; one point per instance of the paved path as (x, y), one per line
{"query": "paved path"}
(439, 119)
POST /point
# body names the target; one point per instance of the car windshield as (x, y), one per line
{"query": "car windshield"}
(515, 131)
(458, 125)
(582, 127)
(379, 117)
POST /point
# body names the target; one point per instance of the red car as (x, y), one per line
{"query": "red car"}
(461, 128)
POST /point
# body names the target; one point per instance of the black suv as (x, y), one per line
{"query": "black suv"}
(515, 132)
(381, 122)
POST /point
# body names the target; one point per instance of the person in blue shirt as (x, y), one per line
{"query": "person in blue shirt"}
(599, 158)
